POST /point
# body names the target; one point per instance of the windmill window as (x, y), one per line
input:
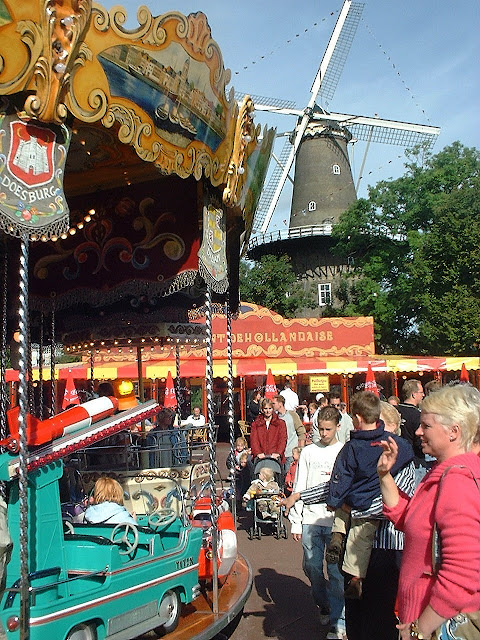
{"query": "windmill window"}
(324, 293)
(312, 205)
(336, 169)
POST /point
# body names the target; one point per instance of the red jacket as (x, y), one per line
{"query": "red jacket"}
(271, 440)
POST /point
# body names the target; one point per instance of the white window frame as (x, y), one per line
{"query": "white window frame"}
(312, 205)
(336, 169)
(324, 293)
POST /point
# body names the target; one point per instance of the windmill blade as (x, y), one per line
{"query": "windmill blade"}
(337, 51)
(269, 190)
(269, 104)
(349, 15)
(405, 134)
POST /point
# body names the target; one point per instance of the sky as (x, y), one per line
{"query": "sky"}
(415, 61)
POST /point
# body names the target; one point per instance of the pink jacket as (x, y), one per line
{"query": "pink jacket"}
(456, 587)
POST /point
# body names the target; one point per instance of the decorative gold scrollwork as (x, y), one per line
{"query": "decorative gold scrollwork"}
(62, 29)
(245, 135)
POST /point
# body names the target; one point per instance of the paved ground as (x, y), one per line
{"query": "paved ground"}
(280, 605)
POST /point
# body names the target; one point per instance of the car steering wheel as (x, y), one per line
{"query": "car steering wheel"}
(161, 518)
(120, 535)
(68, 527)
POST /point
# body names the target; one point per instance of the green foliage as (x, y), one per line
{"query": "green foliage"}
(272, 283)
(415, 247)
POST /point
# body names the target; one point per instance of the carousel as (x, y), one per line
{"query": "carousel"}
(128, 184)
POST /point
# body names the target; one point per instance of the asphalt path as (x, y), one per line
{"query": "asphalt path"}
(280, 605)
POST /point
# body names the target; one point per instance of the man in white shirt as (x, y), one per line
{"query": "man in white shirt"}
(346, 423)
(312, 524)
(195, 419)
(291, 398)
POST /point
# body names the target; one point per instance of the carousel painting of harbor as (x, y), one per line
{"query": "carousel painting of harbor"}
(177, 97)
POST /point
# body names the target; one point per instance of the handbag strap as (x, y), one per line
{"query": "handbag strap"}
(436, 541)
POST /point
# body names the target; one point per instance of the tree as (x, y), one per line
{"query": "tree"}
(272, 283)
(415, 247)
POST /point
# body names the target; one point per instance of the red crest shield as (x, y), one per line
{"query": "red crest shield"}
(30, 157)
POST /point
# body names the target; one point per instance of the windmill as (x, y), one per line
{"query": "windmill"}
(323, 186)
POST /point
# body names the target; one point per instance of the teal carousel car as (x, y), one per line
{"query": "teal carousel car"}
(94, 581)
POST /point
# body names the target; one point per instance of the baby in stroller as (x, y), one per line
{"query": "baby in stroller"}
(263, 497)
(262, 491)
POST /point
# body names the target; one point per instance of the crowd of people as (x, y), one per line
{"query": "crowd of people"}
(385, 501)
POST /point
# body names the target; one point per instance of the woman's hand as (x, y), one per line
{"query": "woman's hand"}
(404, 631)
(388, 457)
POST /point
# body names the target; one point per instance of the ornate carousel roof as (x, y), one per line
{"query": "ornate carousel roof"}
(124, 162)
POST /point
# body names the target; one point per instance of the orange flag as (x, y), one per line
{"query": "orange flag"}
(270, 387)
(464, 377)
(70, 396)
(370, 382)
(170, 400)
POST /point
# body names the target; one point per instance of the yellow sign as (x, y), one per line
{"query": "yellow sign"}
(319, 383)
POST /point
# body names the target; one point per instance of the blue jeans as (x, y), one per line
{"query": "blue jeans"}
(327, 594)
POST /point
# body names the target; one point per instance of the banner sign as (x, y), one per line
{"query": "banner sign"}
(32, 165)
(213, 252)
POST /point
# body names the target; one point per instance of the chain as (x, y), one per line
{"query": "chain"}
(178, 382)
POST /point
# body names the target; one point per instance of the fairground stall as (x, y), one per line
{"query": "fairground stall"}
(315, 354)
(128, 184)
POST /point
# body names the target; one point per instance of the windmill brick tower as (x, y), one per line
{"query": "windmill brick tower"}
(323, 186)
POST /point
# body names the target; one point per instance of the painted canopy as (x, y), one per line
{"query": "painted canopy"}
(122, 152)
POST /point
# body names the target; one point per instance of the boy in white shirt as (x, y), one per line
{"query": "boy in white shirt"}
(312, 524)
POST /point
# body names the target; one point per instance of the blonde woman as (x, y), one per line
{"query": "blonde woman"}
(432, 599)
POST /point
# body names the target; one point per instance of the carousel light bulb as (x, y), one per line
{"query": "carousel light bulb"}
(240, 171)
(92, 212)
(102, 342)
(60, 67)
(67, 21)
(54, 238)
(64, 236)
(87, 218)
(44, 238)
(72, 231)
(80, 225)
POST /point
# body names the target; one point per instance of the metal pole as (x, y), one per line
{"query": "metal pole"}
(231, 407)
(211, 445)
(22, 437)
(3, 346)
(91, 383)
(53, 404)
(40, 370)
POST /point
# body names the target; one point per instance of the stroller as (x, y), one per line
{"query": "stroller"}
(268, 500)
